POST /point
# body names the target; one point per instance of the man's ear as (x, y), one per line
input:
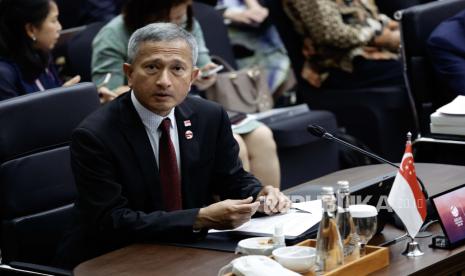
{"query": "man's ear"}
(127, 68)
(195, 73)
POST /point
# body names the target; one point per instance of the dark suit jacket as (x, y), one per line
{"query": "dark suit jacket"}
(447, 49)
(119, 198)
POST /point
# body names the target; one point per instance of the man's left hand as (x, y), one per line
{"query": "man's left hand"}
(273, 201)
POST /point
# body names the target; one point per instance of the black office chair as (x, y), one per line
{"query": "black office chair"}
(426, 92)
(79, 51)
(389, 7)
(36, 182)
(379, 116)
(215, 32)
(209, 2)
(69, 12)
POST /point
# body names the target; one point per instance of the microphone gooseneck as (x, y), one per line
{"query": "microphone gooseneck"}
(319, 131)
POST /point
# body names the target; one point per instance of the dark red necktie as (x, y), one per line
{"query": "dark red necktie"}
(168, 167)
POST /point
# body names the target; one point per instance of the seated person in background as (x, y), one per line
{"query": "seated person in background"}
(29, 30)
(251, 30)
(148, 164)
(257, 146)
(110, 44)
(446, 45)
(347, 43)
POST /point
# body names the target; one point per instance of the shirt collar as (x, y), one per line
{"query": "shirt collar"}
(151, 120)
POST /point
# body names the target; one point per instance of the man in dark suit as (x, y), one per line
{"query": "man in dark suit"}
(148, 164)
(447, 49)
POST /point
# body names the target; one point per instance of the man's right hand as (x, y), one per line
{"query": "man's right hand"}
(226, 214)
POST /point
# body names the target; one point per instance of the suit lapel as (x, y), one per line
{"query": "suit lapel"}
(137, 138)
(187, 125)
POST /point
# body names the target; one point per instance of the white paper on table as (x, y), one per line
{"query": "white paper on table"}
(294, 222)
(456, 107)
(312, 206)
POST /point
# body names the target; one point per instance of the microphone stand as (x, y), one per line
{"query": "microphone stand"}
(321, 132)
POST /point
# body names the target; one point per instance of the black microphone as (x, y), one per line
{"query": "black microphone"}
(319, 131)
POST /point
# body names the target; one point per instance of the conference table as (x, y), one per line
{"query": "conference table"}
(158, 259)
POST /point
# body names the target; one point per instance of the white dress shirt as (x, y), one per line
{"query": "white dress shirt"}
(151, 122)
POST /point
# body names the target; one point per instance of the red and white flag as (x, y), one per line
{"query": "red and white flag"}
(406, 196)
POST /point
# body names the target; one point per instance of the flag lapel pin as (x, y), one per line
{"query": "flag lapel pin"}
(187, 123)
(189, 135)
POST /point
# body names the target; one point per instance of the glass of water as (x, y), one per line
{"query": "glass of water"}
(365, 220)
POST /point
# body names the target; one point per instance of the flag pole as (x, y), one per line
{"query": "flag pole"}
(413, 248)
(423, 233)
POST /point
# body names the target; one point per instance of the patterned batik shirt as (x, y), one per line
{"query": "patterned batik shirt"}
(334, 32)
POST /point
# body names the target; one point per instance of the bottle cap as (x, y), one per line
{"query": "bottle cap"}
(363, 211)
(343, 183)
(327, 190)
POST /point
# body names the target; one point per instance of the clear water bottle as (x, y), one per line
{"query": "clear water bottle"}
(329, 251)
(345, 223)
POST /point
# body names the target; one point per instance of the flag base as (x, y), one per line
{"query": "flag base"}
(413, 249)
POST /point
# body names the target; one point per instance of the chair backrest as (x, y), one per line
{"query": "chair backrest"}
(389, 7)
(79, 51)
(36, 182)
(215, 32)
(69, 12)
(417, 23)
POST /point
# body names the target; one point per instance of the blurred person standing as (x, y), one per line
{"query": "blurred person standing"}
(257, 42)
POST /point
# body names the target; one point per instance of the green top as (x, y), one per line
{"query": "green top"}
(110, 48)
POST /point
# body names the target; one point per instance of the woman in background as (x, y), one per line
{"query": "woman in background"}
(29, 30)
(110, 44)
(257, 146)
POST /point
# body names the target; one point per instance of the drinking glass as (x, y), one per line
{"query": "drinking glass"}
(365, 220)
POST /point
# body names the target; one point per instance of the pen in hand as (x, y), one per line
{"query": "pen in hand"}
(105, 81)
(262, 199)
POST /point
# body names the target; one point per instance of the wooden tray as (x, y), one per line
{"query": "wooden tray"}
(375, 259)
